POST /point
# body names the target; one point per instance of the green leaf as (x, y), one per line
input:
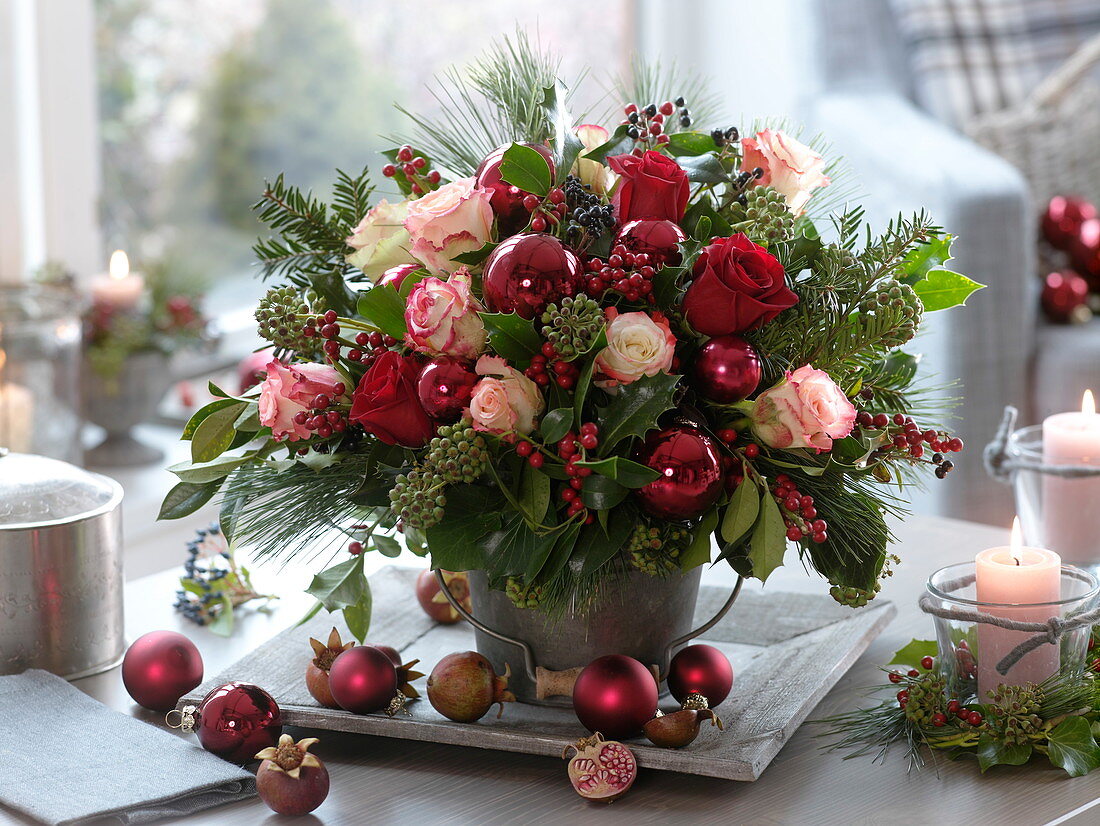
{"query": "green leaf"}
(627, 473)
(526, 168)
(925, 257)
(741, 512)
(584, 381)
(635, 408)
(534, 493)
(567, 146)
(186, 498)
(515, 548)
(943, 289)
(472, 259)
(1072, 747)
(704, 169)
(227, 515)
(599, 492)
(248, 422)
(202, 472)
(512, 337)
(222, 624)
(703, 208)
(563, 551)
(769, 540)
(597, 548)
(556, 424)
(689, 143)
(310, 614)
(199, 415)
(357, 616)
(915, 651)
(472, 514)
(382, 306)
(386, 545)
(618, 144)
(215, 433)
(698, 552)
(341, 585)
(993, 752)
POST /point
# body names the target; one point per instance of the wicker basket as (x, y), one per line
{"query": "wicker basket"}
(1053, 138)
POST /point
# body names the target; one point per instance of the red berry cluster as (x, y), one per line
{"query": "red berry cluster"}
(544, 213)
(572, 449)
(370, 346)
(355, 548)
(800, 515)
(327, 327)
(415, 169)
(547, 366)
(322, 418)
(907, 435)
(627, 273)
(646, 124)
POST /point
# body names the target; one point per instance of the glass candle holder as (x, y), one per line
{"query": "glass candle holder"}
(40, 372)
(971, 650)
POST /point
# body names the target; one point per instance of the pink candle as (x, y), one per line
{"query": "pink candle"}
(1071, 516)
(1014, 578)
(120, 288)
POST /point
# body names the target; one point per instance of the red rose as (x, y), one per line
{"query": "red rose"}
(386, 402)
(652, 186)
(737, 286)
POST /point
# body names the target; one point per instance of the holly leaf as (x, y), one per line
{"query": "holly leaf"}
(1072, 747)
(341, 585)
(742, 511)
(215, 433)
(635, 408)
(382, 306)
(567, 146)
(600, 493)
(923, 258)
(912, 653)
(689, 143)
(458, 540)
(627, 473)
(512, 337)
(618, 144)
(698, 552)
(186, 498)
(704, 169)
(769, 540)
(526, 168)
(555, 424)
(357, 616)
(992, 752)
(942, 289)
(472, 259)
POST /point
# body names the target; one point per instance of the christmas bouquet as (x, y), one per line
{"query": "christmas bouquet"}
(569, 351)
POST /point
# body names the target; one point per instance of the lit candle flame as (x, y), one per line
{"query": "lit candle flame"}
(1088, 403)
(120, 265)
(1016, 542)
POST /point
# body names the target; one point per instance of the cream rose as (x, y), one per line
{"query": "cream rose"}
(505, 401)
(806, 409)
(381, 240)
(790, 167)
(442, 317)
(590, 172)
(289, 390)
(454, 219)
(637, 345)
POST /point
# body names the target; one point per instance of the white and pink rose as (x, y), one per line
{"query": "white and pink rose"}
(454, 219)
(638, 344)
(380, 240)
(289, 390)
(790, 167)
(442, 317)
(504, 401)
(806, 409)
(591, 172)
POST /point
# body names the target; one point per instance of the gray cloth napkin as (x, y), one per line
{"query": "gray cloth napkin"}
(67, 758)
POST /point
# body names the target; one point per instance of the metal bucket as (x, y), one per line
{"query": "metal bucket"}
(60, 568)
(645, 617)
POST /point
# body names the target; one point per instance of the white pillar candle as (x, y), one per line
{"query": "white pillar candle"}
(16, 414)
(1016, 579)
(119, 289)
(1071, 507)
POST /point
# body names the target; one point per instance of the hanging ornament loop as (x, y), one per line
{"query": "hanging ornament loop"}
(188, 717)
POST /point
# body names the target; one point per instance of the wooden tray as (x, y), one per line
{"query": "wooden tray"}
(787, 650)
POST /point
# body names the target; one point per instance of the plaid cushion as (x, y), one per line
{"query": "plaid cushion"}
(972, 57)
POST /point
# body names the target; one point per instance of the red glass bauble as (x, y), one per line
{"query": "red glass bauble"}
(363, 680)
(691, 473)
(615, 695)
(702, 669)
(237, 720)
(395, 276)
(655, 237)
(726, 370)
(159, 668)
(507, 200)
(1062, 219)
(1084, 252)
(445, 387)
(1065, 297)
(527, 272)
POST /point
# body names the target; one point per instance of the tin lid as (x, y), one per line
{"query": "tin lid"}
(36, 491)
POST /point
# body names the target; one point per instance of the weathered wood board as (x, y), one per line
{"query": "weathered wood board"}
(787, 650)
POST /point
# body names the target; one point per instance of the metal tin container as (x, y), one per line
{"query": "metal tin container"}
(60, 568)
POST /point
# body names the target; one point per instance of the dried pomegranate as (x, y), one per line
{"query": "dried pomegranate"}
(673, 731)
(405, 672)
(463, 687)
(601, 770)
(291, 781)
(317, 670)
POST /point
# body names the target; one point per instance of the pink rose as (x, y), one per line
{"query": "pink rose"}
(505, 401)
(637, 345)
(442, 317)
(381, 241)
(291, 389)
(454, 219)
(790, 167)
(807, 409)
(590, 172)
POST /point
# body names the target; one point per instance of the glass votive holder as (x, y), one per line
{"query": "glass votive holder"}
(971, 648)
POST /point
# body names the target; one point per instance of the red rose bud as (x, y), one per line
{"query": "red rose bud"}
(387, 404)
(737, 286)
(650, 186)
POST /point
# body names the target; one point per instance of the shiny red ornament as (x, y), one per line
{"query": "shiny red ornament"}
(701, 669)
(726, 370)
(527, 272)
(237, 720)
(159, 668)
(655, 237)
(363, 679)
(1062, 220)
(507, 200)
(1065, 297)
(615, 695)
(1084, 252)
(445, 388)
(691, 473)
(395, 276)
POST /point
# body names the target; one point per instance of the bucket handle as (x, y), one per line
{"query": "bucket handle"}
(529, 665)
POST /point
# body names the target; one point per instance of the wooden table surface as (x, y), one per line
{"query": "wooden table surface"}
(379, 781)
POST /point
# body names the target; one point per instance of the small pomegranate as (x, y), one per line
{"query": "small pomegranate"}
(463, 687)
(405, 672)
(616, 694)
(318, 668)
(434, 601)
(291, 781)
(678, 729)
(600, 770)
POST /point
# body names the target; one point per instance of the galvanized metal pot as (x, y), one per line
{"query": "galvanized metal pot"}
(60, 568)
(119, 403)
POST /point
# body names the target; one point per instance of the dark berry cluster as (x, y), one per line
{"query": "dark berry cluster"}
(744, 180)
(416, 169)
(647, 125)
(587, 211)
(211, 578)
(722, 137)
(906, 435)
(546, 212)
(627, 273)
(799, 514)
(549, 366)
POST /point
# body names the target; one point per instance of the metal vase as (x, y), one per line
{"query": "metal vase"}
(120, 403)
